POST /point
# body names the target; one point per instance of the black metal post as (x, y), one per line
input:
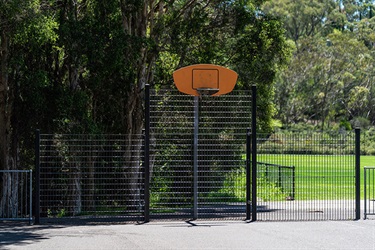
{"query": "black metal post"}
(365, 193)
(254, 154)
(37, 177)
(195, 158)
(357, 173)
(248, 174)
(147, 154)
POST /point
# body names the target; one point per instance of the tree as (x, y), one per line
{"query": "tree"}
(22, 25)
(331, 62)
(301, 18)
(319, 83)
(80, 66)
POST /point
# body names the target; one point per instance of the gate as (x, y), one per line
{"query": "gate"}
(369, 191)
(321, 172)
(210, 183)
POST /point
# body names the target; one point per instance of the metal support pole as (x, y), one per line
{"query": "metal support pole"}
(37, 177)
(195, 158)
(357, 173)
(30, 196)
(147, 154)
(248, 174)
(365, 194)
(254, 154)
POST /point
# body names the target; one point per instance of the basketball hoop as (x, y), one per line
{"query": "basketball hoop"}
(207, 91)
(204, 80)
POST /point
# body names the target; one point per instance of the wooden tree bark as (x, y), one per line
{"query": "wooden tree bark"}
(135, 22)
(7, 155)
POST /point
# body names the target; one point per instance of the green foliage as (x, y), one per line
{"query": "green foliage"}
(345, 125)
(56, 214)
(368, 142)
(330, 75)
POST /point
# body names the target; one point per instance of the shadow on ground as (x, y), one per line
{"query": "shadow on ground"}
(21, 234)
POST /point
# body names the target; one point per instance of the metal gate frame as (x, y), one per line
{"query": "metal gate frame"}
(318, 207)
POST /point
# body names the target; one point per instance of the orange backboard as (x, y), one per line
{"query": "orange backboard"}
(214, 79)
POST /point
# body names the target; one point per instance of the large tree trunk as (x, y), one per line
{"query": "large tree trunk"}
(134, 124)
(136, 23)
(8, 147)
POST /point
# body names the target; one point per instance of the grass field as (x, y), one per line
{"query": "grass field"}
(321, 176)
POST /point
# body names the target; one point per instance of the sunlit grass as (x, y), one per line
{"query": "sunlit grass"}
(322, 176)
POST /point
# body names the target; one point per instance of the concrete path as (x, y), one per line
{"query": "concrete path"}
(193, 235)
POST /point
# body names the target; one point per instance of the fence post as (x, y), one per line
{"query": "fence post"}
(147, 153)
(254, 154)
(365, 193)
(357, 173)
(195, 158)
(30, 196)
(37, 177)
(248, 174)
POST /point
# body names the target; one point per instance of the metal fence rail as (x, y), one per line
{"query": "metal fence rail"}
(369, 191)
(324, 181)
(91, 176)
(17, 184)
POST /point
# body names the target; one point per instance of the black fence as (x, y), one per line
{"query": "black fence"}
(324, 176)
(91, 176)
(198, 159)
(197, 147)
(369, 191)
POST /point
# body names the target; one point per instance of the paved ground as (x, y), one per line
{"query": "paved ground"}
(192, 235)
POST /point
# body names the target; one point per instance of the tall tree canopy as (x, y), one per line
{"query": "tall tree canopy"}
(330, 77)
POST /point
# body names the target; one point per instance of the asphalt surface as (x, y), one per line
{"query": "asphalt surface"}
(192, 235)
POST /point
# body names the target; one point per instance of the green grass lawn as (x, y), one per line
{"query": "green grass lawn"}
(321, 176)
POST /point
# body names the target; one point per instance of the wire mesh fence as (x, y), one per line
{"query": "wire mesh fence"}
(194, 162)
(217, 188)
(369, 191)
(91, 175)
(324, 181)
(272, 177)
(16, 202)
